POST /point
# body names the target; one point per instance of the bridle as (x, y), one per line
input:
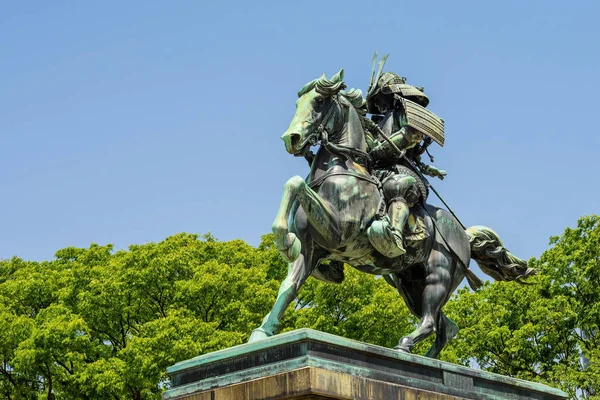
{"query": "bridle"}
(314, 138)
(322, 135)
(358, 156)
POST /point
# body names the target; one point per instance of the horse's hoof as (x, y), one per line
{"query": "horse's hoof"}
(405, 345)
(291, 251)
(258, 334)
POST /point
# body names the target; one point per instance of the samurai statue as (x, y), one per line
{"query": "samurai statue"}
(399, 110)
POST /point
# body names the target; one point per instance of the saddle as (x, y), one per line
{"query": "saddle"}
(415, 230)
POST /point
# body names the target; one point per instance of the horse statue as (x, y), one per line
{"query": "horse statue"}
(333, 208)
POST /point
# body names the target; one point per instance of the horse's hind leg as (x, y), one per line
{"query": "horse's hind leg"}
(438, 286)
(446, 331)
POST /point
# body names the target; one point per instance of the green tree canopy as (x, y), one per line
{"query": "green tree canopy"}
(99, 324)
(102, 324)
(546, 331)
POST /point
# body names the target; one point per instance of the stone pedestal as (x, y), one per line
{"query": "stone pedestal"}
(307, 364)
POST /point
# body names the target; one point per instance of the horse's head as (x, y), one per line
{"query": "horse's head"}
(319, 107)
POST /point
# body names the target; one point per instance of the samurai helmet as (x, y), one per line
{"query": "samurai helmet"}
(389, 83)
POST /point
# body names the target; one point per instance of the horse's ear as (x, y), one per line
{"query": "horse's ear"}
(338, 77)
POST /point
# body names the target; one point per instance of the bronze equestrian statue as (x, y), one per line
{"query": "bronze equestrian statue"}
(363, 204)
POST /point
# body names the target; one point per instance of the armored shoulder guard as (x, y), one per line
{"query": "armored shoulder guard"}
(424, 121)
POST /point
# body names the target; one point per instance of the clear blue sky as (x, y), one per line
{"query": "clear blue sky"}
(128, 121)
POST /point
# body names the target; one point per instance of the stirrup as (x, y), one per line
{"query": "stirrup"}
(396, 236)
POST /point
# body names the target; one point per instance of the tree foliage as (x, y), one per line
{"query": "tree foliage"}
(546, 331)
(102, 324)
(99, 324)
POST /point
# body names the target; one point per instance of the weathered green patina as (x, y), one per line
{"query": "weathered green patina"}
(343, 369)
(354, 206)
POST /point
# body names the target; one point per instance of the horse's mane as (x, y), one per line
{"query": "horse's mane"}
(331, 87)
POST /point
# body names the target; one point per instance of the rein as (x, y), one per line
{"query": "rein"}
(360, 157)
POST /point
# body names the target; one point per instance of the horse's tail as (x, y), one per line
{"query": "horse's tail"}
(493, 258)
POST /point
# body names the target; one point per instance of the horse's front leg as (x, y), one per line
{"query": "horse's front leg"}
(321, 216)
(298, 272)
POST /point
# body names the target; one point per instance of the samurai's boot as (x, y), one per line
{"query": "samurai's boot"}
(386, 234)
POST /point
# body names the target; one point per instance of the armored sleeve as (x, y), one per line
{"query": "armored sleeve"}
(405, 138)
(430, 170)
(412, 137)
